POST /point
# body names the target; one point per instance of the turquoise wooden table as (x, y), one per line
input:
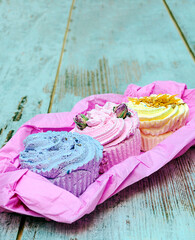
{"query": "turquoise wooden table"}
(54, 53)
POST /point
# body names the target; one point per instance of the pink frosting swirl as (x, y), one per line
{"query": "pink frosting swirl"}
(104, 126)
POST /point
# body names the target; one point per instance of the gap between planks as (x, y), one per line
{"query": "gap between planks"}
(61, 56)
(179, 30)
(23, 219)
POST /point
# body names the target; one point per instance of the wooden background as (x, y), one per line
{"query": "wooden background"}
(54, 53)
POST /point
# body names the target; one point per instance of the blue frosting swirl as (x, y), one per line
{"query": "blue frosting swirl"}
(51, 153)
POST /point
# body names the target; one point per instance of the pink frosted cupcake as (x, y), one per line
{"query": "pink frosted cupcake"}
(116, 128)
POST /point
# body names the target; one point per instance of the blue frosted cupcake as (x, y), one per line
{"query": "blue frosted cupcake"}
(69, 160)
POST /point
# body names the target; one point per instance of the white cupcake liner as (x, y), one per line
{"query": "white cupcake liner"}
(116, 154)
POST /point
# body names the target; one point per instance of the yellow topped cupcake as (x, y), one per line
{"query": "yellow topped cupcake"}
(160, 115)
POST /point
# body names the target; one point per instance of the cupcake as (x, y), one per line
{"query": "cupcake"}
(160, 115)
(116, 128)
(69, 160)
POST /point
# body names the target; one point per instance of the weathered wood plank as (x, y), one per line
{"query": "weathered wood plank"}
(31, 36)
(154, 208)
(183, 12)
(112, 44)
(9, 224)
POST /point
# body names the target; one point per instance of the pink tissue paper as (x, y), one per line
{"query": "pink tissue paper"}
(25, 192)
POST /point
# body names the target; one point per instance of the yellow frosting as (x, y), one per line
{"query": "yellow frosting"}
(159, 114)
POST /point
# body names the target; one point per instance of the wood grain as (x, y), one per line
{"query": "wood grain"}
(110, 45)
(9, 223)
(183, 14)
(157, 207)
(31, 35)
(30, 44)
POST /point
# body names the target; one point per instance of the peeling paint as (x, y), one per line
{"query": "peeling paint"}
(9, 136)
(103, 79)
(46, 89)
(40, 103)
(17, 116)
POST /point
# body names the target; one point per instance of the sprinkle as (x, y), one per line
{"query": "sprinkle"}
(160, 100)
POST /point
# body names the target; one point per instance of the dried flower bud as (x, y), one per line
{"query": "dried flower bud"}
(121, 111)
(80, 121)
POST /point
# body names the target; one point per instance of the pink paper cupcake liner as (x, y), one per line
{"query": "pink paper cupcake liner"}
(116, 154)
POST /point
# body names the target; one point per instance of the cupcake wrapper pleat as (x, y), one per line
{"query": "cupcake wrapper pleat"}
(78, 180)
(149, 141)
(116, 154)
